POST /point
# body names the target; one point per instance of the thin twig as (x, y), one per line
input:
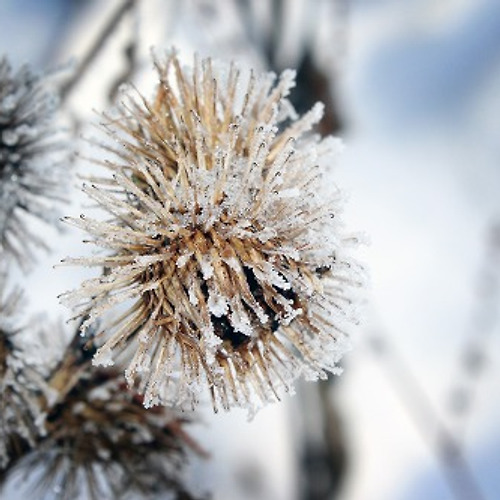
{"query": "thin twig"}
(248, 22)
(96, 47)
(275, 36)
(456, 469)
(483, 321)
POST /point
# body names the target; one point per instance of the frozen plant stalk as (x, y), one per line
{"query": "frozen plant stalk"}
(227, 261)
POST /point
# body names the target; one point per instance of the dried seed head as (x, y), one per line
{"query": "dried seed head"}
(30, 153)
(102, 443)
(225, 243)
(21, 415)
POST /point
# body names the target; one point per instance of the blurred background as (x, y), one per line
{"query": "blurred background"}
(413, 88)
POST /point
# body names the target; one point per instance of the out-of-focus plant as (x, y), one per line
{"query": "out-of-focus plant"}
(33, 159)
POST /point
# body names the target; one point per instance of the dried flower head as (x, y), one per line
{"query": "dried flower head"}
(29, 175)
(21, 391)
(228, 265)
(102, 443)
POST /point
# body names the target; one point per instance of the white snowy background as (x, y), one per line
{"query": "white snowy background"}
(419, 88)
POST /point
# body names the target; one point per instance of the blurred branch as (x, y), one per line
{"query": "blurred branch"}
(315, 85)
(484, 319)
(96, 47)
(455, 468)
(276, 32)
(248, 21)
(323, 453)
(130, 53)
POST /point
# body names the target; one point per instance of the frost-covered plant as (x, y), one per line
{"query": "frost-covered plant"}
(102, 443)
(97, 440)
(21, 387)
(228, 271)
(30, 173)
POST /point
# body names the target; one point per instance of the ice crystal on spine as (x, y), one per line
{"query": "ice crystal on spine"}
(223, 238)
(29, 173)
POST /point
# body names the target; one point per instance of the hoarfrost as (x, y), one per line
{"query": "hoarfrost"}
(192, 295)
(103, 357)
(206, 267)
(183, 260)
(241, 322)
(217, 304)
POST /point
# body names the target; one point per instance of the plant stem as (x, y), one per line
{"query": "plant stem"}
(96, 47)
(455, 468)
